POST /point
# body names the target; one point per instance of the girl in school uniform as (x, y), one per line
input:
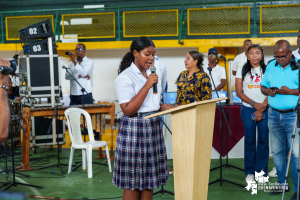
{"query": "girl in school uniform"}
(140, 157)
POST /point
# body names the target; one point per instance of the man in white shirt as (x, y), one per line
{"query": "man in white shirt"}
(163, 71)
(241, 59)
(296, 53)
(82, 69)
(218, 73)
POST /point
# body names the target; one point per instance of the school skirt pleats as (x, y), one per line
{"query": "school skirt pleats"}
(140, 154)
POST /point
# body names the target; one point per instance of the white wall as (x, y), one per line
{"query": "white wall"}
(106, 63)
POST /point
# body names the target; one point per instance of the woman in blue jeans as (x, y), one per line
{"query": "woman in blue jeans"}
(254, 112)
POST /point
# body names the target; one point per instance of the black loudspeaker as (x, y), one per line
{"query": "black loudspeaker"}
(39, 130)
(39, 30)
(35, 78)
(39, 47)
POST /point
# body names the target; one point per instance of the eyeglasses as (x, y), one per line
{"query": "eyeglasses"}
(78, 49)
(212, 55)
(282, 57)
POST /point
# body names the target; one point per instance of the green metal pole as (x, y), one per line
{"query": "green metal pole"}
(254, 19)
(119, 26)
(180, 25)
(2, 28)
(56, 24)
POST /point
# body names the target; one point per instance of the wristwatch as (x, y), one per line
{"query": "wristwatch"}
(251, 103)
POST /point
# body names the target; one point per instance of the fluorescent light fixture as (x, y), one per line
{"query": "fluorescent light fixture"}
(81, 21)
(93, 6)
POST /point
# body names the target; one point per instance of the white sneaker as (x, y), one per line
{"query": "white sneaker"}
(273, 173)
(249, 177)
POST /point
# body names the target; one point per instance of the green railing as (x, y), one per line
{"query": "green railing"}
(253, 17)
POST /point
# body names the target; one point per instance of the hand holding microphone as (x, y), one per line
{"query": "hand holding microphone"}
(153, 71)
(71, 54)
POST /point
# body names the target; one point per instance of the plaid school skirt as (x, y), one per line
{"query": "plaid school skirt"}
(140, 155)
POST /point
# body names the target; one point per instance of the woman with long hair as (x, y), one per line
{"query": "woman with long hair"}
(254, 112)
(193, 84)
(140, 163)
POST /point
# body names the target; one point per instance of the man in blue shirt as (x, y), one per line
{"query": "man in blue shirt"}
(280, 84)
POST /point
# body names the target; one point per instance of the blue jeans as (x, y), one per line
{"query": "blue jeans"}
(281, 126)
(255, 158)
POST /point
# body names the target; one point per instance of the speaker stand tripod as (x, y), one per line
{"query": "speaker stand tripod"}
(220, 106)
(14, 183)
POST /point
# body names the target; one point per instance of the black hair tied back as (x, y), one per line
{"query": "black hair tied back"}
(137, 44)
(293, 63)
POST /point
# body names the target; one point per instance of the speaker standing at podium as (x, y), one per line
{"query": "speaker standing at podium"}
(4, 108)
(193, 84)
(140, 163)
(82, 69)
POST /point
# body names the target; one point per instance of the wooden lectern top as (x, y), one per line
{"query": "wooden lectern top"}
(184, 107)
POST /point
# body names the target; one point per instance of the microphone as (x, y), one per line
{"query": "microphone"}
(220, 56)
(9, 70)
(209, 69)
(153, 70)
(64, 67)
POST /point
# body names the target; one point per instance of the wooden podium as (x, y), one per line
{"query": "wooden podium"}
(192, 134)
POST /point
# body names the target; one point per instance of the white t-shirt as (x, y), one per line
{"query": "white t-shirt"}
(251, 85)
(296, 53)
(239, 61)
(130, 82)
(217, 73)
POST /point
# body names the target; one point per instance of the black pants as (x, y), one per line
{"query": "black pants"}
(77, 99)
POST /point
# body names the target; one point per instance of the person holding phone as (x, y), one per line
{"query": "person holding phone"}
(253, 112)
(283, 74)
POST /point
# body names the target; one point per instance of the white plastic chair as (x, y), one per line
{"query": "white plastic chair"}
(73, 116)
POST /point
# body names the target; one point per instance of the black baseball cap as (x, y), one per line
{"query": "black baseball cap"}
(213, 50)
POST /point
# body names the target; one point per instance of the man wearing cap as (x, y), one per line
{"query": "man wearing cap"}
(218, 73)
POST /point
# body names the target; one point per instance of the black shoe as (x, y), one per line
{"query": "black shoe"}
(274, 192)
(294, 197)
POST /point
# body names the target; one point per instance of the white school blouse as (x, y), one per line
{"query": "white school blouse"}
(130, 82)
